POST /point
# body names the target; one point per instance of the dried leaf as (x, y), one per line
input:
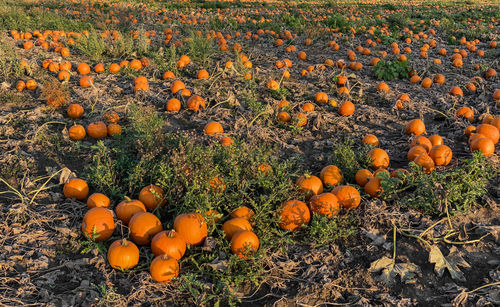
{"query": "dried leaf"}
(460, 299)
(451, 263)
(407, 271)
(66, 175)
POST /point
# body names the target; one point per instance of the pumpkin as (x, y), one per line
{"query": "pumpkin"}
(378, 158)
(456, 91)
(97, 130)
(195, 102)
(76, 132)
(489, 131)
(114, 129)
(213, 128)
(101, 221)
(98, 200)
(421, 141)
(192, 227)
(348, 196)
(310, 185)
(347, 109)
(244, 243)
(226, 141)
(163, 268)
(83, 69)
(173, 105)
(128, 208)
(76, 188)
(31, 85)
(143, 226)
(284, 117)
(436, 140)
(152, 197)
(293, 214)
(441, 154)
(111, 117)
(416, 151)
(484, 144)
(168, 242)
(373, 187)
(114, 68)
(177, 86)
(465, 112)
(321, 97)
(415, 127)
(272, 85)
(325, 204)
(202, 74)
(362, 176)
(232, 226)
(330, 175)
(243, 212)
(123, 254)
(370, 139)
(307, 107)
(425, 162)
(75, 111)
(86, 81)
(265, 169)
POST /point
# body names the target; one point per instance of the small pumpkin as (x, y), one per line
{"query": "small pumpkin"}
(128, 208)
(293, 214)
(75, 111)
(362, 176)
(163, 268)
(152, 196)
(310, 185)
(378, 158)
(97, 130)
(243, 212)
(232, 226)
(325, 204)
(143, 226)
(244, 243)
(77, 132)
(213, 128)
(415, 127)
(123, 254)
(348, 196)
(373, 187)
(168, 242)
(76, 188)
(425, 162)
(101, 221)
(441, 154)
(98, 200)
(330, 175)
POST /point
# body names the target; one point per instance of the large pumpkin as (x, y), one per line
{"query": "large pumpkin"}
(152, 196)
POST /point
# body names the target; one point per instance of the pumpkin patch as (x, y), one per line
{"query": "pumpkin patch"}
(249, 152)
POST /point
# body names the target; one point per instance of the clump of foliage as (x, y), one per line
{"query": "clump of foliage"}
(349, 159)
(390, 70)
(323, 230)
(454, 190)
(9, 62)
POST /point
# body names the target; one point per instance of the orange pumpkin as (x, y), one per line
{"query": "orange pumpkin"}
(123, 254)
(168, 242)
(143, 226)
(98, 221)
(152, 197)
(325, 204)
(163, 268)
(293, 214)
(192, 227)
(244, 243)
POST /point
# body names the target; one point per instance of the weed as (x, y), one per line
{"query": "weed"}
(390, 70)
(9, 62)
(92, 46)
(323, 230)
(201, 49)
(349, 159)
(457, 188)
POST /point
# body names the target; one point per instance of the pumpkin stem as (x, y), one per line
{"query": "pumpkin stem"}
(127, 198)
(171, 233)
(124, 242)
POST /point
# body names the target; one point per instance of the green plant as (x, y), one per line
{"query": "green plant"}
(453, 190)
(323, 230)
(92, 46)
(201, 49)
(349, 159)
(390, 70)
(9, 62)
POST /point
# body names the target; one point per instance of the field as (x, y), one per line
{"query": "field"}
(248, 153)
